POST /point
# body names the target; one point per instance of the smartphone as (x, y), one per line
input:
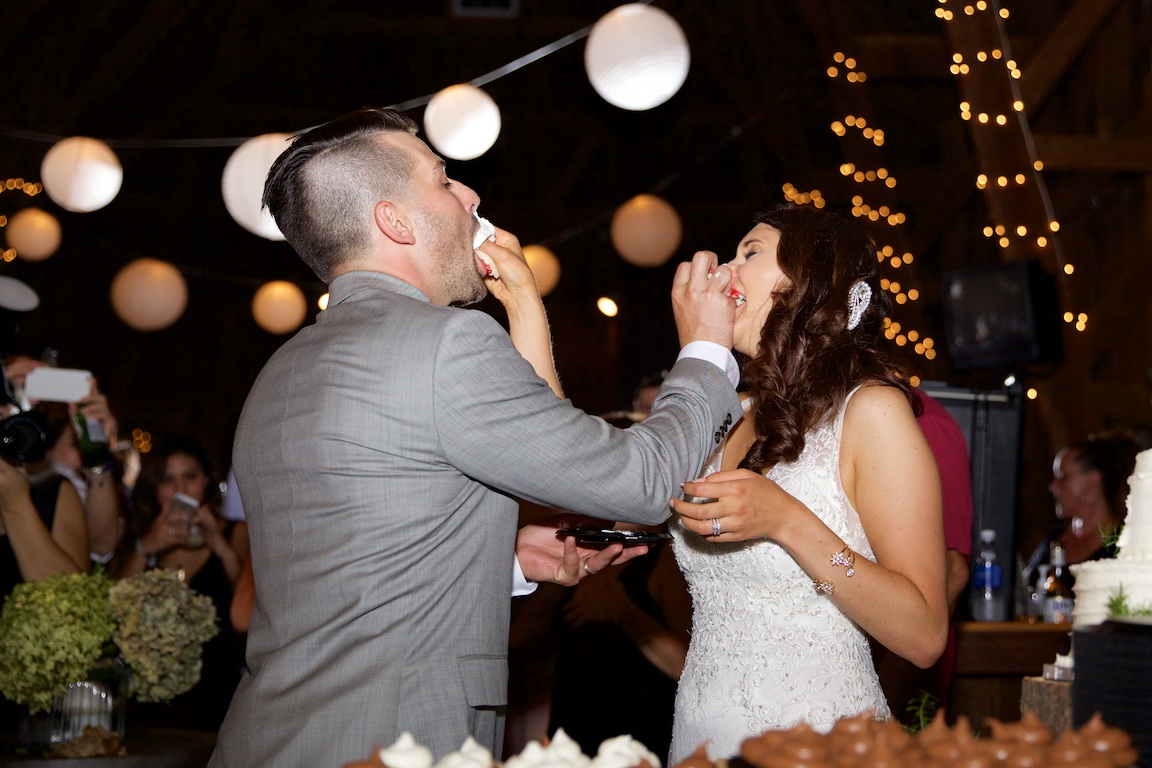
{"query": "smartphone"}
(613, 536)
(58, 385)
(185, 506)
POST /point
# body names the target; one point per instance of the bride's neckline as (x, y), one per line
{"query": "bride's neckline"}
(739, 440)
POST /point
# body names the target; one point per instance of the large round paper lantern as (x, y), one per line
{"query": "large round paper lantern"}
(279, 307)
(636, 57)
(243, 183)
(545, 267)
(462, 122)
(81, 174)
(646, 231)
(149, 294)
(35, 234)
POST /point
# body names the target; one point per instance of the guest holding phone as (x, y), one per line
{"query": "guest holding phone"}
(69, 398)
(42, 529)
(174, 522)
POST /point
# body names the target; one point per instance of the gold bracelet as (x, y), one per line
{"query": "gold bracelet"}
(846, 558)
(823, 587)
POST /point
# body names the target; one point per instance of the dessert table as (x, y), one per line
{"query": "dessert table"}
(147, 748)
(992, 660)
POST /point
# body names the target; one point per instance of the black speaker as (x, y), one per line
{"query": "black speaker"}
(991, 422)
(1001, 315)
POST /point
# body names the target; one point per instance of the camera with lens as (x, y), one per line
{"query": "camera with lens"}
(23, 434)
(24, 437)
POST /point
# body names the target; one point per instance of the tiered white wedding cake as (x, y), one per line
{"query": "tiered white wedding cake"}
(1097, 581)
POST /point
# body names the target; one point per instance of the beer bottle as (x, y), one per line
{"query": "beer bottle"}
(1058, 595)
(92, 443)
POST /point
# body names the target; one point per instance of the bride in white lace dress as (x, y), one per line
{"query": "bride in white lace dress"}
(828, 524)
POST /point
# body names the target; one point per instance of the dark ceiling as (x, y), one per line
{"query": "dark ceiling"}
(154, 79)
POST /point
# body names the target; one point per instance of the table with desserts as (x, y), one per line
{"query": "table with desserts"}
(992, 660)
(146, 747)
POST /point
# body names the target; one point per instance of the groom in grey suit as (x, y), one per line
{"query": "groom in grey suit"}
(381, 452)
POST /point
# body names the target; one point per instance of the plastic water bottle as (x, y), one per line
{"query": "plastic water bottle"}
(988, 600)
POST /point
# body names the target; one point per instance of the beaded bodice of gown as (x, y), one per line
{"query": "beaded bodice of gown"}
(767, 650)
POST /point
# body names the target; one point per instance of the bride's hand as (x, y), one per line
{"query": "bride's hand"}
(748, 506)
(516, 279)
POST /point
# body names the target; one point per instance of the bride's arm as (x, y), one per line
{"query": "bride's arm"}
(890, 477)
(527, 321)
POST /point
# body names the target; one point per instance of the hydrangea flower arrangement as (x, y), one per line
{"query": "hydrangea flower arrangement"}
(161, 628)
(58, 631)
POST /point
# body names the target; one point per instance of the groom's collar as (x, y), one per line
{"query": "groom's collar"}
(344, 286)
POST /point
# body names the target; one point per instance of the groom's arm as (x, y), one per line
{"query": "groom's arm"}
(500, 424)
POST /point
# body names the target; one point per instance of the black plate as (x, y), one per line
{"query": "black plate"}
(610, 536)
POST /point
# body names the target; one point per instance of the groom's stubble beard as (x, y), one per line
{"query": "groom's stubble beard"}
(451, 251)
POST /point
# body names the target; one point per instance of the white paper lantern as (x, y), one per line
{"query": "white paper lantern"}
(462, 122)
(243, 183)
(646, 231)
(636, 57)
(545, 267)
(17, 296)
(35, 234)
(149, 294)
(279, 307)
(81, 174)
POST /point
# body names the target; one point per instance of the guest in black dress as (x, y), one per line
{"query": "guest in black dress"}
(42, 534)
(210, 554)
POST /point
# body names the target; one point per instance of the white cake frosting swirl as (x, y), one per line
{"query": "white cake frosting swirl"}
(561, 752)
(470, 755)
(406, 753)
(623, 752)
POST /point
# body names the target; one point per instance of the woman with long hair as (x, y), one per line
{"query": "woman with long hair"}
(209, 553)
(825, 525)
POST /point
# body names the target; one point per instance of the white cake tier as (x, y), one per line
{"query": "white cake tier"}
(1098, 580)
(1136, 537)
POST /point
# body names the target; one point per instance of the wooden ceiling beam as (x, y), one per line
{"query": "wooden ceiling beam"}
(1116, 154)
(1060, 50)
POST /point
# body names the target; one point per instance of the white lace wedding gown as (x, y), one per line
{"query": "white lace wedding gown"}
(767, 650)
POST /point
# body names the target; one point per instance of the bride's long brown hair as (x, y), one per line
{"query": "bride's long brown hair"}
(808, 360)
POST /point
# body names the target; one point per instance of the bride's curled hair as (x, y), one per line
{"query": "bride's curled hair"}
(808, 360)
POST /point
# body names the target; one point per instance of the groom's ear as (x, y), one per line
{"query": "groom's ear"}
(392, 221)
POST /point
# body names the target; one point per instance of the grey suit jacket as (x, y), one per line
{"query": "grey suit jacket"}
(379, 456)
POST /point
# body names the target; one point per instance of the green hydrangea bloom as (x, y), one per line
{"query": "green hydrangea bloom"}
(51, 634)
(61, 630)
(161, 627)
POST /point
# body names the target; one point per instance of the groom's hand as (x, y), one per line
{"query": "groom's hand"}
(703, 311)
(544, 556)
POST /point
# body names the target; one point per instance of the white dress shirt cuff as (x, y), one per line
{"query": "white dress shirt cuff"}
(520, 585)
(712, 352)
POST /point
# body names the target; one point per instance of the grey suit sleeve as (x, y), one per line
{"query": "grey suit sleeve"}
(500, 423)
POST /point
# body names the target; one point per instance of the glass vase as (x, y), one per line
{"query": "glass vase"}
(98, 701)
